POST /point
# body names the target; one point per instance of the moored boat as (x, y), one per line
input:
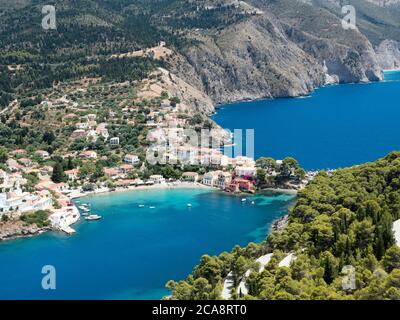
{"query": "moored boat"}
(93, 217)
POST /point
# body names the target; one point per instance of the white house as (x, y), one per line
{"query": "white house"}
(210, 178)
(114, 141)
(157, 179)
(64, 217)
(132, 159)
(245, 171)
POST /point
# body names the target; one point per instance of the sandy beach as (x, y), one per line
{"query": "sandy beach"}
(162, 186)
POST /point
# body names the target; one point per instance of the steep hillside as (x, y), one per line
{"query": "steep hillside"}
(249, 60)
(338, 245)
(378, 23)
(281, 50)
(230, 50)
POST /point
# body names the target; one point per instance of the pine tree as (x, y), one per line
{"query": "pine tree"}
(329, 272)
(58, 173)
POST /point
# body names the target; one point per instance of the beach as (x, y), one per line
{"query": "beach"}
(162, 186)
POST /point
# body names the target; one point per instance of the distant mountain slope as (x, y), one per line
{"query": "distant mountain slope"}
(378, 23)
(229, 49)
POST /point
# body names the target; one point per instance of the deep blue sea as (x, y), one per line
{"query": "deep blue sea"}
(336, 126)
(133, 251)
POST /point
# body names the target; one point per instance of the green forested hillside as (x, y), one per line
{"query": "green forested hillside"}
(88, 32)
(341, 220)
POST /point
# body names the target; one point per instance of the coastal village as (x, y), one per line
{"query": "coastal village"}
(103, 135)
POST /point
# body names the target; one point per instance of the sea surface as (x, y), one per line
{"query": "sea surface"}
(133, 251)
(336, 126)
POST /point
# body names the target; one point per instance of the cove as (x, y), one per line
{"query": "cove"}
(336, 126)
(133, 251)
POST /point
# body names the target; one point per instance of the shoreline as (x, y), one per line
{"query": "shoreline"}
(288, 191)
(224, 104)
(163, 186)
(391, 70)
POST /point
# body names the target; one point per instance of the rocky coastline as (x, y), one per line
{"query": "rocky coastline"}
(15, 229)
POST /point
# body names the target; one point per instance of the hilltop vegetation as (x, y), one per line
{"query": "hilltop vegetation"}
(230, 50)
(339, 220)
(88, 33)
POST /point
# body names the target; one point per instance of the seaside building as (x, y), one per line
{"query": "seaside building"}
(239, 185)
(224, 179)
(157, 179)
(190, 176)
(246, 172)
(19, 201)
(64, 217)
(210, 178)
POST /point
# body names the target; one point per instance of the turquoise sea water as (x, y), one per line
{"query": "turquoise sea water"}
(133, 251)
(336, 126)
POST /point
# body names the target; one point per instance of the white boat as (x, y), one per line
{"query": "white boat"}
(152, 207)
(93, 217)
(244, 200)
(253, 203)
(189, 205)
(141, 205)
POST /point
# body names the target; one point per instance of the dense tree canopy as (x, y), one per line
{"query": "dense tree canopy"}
(340, 222)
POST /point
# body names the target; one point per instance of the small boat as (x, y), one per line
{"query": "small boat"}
(83, 207)
(141, 206)
(93, 217)
(253, 203)
(189, 205)
(244, 200)
(152, 207)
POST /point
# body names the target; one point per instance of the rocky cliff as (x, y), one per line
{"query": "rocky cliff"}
(286, 49)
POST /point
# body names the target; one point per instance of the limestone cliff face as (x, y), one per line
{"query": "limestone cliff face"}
(287, 49)
(348, 54)
(250, 60)
(388, 55)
